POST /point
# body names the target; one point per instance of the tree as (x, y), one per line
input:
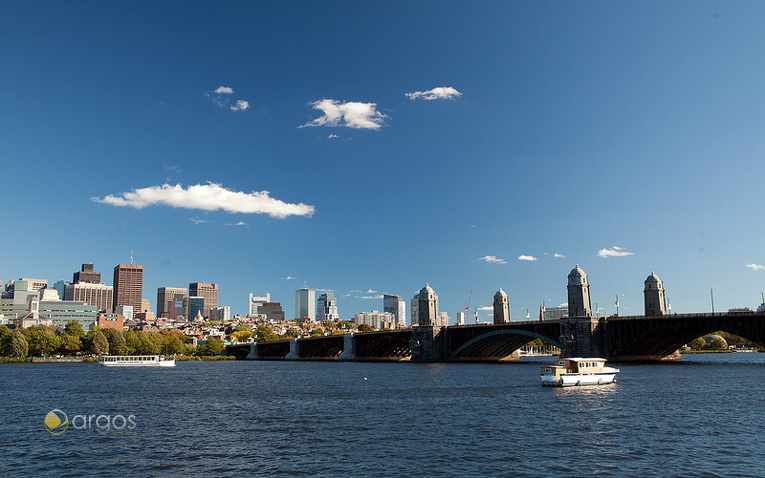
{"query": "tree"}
(116, 339)
(717, 344)
(265, 333)
(42, 341)
(317, 333)
(214, 346)
(18, 347)
(70, 344)
(241, 335)
(365, 328)
(697, 343)
(74, 328)
(172, 345)
(100, 344)
(292, 333)
(5, 339)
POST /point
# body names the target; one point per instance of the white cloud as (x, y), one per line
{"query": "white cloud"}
(756, 267)
(439, 93)
(197, 220)
(558, 255)
(526, 258)
(372, 297)
(333, 136)
(492, 260)
(370, 291)
(614, 252)
(240, 223)
(224, 90)
(488, 307)
(240, 105)
(350, 114)
(207, 197)
(289, 278)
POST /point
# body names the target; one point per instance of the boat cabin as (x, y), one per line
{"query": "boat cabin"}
(575, 365)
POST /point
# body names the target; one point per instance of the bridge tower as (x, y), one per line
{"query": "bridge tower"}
(427, 313)
(654, 296)
(578, 294)
(501, 308)
(427, 343)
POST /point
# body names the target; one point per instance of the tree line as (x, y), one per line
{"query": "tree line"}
(72, 341)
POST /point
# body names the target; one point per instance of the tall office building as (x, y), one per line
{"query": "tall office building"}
(100, 295)
(396, 306)
(86, 275)
(210, 294)
(170, 301)
(255, 302)
(327, 307)
(194, 307)
(305, 303)
(128, 285)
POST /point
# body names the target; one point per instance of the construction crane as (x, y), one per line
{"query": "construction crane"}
(467, 308)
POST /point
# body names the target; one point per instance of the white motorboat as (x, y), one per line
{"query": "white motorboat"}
(569, 372)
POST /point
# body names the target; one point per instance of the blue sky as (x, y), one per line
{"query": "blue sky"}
(468, 145)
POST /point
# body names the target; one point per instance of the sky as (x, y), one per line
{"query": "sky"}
(369, 147)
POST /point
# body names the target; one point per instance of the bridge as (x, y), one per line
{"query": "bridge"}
(635, 338)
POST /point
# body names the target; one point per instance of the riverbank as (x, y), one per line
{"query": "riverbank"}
(178, 358)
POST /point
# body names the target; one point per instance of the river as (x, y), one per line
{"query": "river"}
(703, 417)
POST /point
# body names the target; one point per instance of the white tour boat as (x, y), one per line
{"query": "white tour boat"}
(135, 361)
(569, 372)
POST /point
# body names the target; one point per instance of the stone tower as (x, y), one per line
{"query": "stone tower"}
(427, 313)
(578, 294)
(654, 296)
(501, 308)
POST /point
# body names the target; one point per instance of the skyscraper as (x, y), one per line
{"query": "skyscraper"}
(327, 309)
(396, 306)
(210, 294)
(100, 295)
(170, 301)
(128, 285)
(86, 275)
(305, 303)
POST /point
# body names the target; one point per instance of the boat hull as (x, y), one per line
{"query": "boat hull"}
(576, 379)
(164, 363)
(135, 361)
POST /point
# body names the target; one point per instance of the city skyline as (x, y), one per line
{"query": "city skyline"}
(471, 147)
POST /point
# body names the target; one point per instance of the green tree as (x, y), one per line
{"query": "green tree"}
(717, 344)
(74, 328)
(214, 346)
(697, 343)
(265, 333)
(172, 345)
(317, 333)
(241, 335)
(292, 333)
(100, 344)
(5, 339)
(151, 343)
(42, 341)
(18, 347)
(365, 328)
(116, 339)
(132, 341)
(70, 344)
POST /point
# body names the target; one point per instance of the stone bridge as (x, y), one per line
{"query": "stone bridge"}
(636, 338)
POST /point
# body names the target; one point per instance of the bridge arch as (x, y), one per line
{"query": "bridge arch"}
(499, 343)
(663, 337)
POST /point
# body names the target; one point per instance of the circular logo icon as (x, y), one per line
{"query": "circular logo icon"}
(56, 422)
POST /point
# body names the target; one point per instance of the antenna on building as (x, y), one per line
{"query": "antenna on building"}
(131, 256)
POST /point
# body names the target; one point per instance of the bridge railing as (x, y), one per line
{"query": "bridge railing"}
(685, 316)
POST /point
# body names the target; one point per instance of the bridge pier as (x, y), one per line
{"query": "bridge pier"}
(584, 337)
(253, 352)
(349, 348)
(294, 350)
(428, 344)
